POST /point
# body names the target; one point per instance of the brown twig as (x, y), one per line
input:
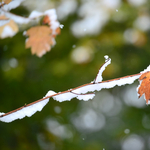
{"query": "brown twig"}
(71, 90)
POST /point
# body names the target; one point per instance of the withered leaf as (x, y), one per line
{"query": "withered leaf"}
(2, 17)
(46, 20)
(4, 2)
(144, 87)
(40, 40)
(8, 28)
(7, 1)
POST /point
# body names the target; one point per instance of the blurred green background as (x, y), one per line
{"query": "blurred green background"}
(115, 119)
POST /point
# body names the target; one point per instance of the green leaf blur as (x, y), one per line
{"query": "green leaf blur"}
(115, 118)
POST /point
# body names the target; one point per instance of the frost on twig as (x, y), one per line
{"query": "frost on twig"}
(51, 13)
(24, 111)
(81, 93)
(8, 5)
(99, 75)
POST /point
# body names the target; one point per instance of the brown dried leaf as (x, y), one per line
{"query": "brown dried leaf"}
(40, 40)
(8, 28)
(7, 1)
(4, 2)
(2, 17)
(46, 20)
(58, 31)
(144, 87)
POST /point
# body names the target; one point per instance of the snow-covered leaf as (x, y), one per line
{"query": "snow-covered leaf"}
(51, 19)
(8, 28)
(6, 1)
(3, 20)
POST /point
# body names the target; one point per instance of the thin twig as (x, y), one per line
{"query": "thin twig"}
(71, 90)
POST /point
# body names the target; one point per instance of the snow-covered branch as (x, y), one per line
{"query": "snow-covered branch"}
(81, 93)
(8, 5)
(51, 13)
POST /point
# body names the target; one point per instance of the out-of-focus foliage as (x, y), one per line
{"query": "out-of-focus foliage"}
(114, 119)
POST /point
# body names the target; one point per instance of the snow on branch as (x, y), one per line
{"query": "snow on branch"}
(8, 5)
(99, 75)
(26, 110)
(51, 13)
(81, 93)
(107, 84)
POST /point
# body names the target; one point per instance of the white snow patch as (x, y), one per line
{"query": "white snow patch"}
(3, 22)
(61, 26)
(1, 113)
(7, 32)
(70, 95)
(106, 57)
(85, 97)
(51, 13)
(106, 85)
(26, 111)
(17, 19)
(54, 24)
(13, 4)
(99, 75)
(146, 70)
(64, 97)
(50, 93)
(35, 14)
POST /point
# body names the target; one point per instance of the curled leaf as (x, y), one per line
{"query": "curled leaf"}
(144, 87)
